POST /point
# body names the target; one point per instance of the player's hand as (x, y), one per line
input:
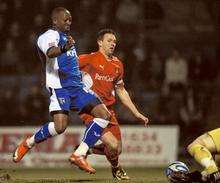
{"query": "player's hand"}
(142, 118)
(70, 42)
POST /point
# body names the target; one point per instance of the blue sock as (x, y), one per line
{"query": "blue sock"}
(92, 134)
(42, 134)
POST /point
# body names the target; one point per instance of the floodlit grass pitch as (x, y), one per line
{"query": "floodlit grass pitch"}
(72, 175)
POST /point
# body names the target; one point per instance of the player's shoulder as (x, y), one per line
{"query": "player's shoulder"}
(84, 55)
(88, 55)
(49, 33)
(117, 60)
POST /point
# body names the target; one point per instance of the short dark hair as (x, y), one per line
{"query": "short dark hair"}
(102, 32)
(56, 11)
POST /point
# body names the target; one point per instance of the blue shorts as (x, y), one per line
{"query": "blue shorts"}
(72, 98)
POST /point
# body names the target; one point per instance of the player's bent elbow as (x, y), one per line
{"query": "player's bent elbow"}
(189, 147)
(51, 55)
(53, 52)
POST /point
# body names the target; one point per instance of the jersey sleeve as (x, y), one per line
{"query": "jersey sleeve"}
(83, 61)
(119, 82)
(47, 40)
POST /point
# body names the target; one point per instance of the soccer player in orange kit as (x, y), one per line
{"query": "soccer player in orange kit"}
(103, 73)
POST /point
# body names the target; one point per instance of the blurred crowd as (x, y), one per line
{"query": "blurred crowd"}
(172, 78)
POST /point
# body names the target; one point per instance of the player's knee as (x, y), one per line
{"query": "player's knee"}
(114, 146)
(106, 115)
(60, 130)
(191, 148)
(119, 148)
(101, 112)
(60, 127)
(60, 122)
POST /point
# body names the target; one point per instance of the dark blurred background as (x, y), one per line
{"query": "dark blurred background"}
(151, 33)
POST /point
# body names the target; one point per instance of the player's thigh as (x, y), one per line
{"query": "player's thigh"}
(59, 108)
(85, 101)
(59, 101)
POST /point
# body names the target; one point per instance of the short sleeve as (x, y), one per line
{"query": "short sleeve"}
(120, 81)
(83, 60)
(48, 40)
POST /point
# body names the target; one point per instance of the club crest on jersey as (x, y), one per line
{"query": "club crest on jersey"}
(61, 100)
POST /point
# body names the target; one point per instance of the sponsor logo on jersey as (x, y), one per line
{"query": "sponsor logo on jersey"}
(101, 66)
(104, 77)
(71, 53)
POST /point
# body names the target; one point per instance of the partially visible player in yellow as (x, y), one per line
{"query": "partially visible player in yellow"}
(203, 149)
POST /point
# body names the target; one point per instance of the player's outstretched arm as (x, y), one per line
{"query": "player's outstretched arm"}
(127, 102)
(56, 51)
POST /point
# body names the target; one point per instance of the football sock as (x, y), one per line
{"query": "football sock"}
(82, 149)
(202, 155)
(47, 131)
(92, 135)
(112, 157)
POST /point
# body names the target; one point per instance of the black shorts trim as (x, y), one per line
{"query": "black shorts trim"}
(59, 112)
(88, 108)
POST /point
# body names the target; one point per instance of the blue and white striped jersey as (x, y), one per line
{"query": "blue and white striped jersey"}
(61, 71)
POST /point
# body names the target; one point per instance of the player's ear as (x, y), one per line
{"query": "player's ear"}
(55, 21)
(99, 43)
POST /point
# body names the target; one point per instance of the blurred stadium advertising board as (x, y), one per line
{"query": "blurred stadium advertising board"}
(153, 146)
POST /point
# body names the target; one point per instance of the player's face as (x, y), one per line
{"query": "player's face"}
(63, 21)
(107, 44)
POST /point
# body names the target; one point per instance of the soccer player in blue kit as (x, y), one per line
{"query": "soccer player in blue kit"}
(63, 80)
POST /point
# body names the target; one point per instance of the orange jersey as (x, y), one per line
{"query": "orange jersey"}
(106, 75)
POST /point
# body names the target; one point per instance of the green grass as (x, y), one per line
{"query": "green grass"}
(73, 175)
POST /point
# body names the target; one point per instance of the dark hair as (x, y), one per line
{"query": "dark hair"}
(102, 32)
(56, 11)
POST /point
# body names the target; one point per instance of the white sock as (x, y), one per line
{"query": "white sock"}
(30, 141)
(82, 149)
(51, 127)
